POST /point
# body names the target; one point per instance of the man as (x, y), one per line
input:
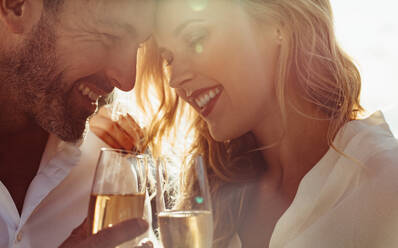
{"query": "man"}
(56, 59)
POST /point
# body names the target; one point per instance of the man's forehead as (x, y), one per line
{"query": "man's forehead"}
(122, 9)
(125, 14)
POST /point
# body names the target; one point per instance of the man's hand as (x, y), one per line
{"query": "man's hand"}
(107, 238)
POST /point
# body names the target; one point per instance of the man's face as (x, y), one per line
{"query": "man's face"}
(73, 57)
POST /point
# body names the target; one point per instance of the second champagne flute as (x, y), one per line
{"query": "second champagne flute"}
(189, 224)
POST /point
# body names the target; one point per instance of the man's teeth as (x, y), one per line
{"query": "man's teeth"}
(205, 98)
(87, 92)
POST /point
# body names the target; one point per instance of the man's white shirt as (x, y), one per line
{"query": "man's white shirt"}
(57, 199)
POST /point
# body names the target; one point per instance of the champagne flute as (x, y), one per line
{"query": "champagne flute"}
(190, 224)
(119, 190)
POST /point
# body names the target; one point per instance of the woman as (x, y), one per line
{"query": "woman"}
(276, 104)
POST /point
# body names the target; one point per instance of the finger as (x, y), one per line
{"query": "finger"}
(135, 125)
(116, 235)
(98, 120)
(136, 130)
(79, 233)
(105, 111)
(106, 127)
(106, 137)
(125, 124)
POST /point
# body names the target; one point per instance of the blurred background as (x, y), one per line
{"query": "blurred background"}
(368, 31)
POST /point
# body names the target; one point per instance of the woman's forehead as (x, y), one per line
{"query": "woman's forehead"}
(170, 13)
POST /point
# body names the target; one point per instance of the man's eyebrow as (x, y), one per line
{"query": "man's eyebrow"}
(125, 27)
(184, 25)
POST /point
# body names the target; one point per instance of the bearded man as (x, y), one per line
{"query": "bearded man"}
(57, 58)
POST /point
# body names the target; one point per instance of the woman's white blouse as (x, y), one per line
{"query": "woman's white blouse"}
(348, 200)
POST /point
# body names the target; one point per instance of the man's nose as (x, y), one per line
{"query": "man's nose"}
(121, 67)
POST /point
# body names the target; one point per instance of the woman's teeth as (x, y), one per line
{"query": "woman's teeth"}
(87, 92)
(205, 98)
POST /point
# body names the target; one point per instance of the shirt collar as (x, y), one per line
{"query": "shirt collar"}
(56, 149)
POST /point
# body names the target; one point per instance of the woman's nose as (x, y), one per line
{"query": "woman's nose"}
(178, 68)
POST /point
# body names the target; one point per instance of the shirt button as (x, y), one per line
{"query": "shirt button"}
(19, 236)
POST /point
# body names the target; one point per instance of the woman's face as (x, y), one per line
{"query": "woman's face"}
(223, 63)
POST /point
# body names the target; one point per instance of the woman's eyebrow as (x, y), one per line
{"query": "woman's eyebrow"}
(181, 27)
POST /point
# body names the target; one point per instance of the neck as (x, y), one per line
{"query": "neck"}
(20, 155)
(22, 142)
(13, 119)
(294, 149)
(28, 139)
(19, 132)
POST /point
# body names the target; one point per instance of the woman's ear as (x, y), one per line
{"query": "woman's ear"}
(19, 16)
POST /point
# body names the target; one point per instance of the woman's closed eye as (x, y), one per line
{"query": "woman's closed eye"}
(196, 39)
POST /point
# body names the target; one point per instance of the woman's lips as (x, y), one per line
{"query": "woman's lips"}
(205, 99)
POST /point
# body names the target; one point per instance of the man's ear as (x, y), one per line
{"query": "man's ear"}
(19, 16)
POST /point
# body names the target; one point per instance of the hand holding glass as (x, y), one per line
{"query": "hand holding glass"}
(119, 188)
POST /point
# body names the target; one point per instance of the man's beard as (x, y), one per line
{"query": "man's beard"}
(38, 90)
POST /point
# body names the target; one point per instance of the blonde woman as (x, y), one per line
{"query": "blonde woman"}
(274, 110)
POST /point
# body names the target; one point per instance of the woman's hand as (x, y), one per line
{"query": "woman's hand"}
(124, 133)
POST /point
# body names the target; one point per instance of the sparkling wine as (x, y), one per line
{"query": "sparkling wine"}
(107, 210)
(186, 229)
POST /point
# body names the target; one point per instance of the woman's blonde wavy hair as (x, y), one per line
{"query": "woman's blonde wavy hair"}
(310, 60)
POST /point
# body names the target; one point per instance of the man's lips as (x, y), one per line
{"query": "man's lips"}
(86, 91)
(92, 92)
(94, 86)
(86, 96)
(98, 90)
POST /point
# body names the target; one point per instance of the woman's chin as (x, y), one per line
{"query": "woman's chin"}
(223, 135)
(218, 136)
